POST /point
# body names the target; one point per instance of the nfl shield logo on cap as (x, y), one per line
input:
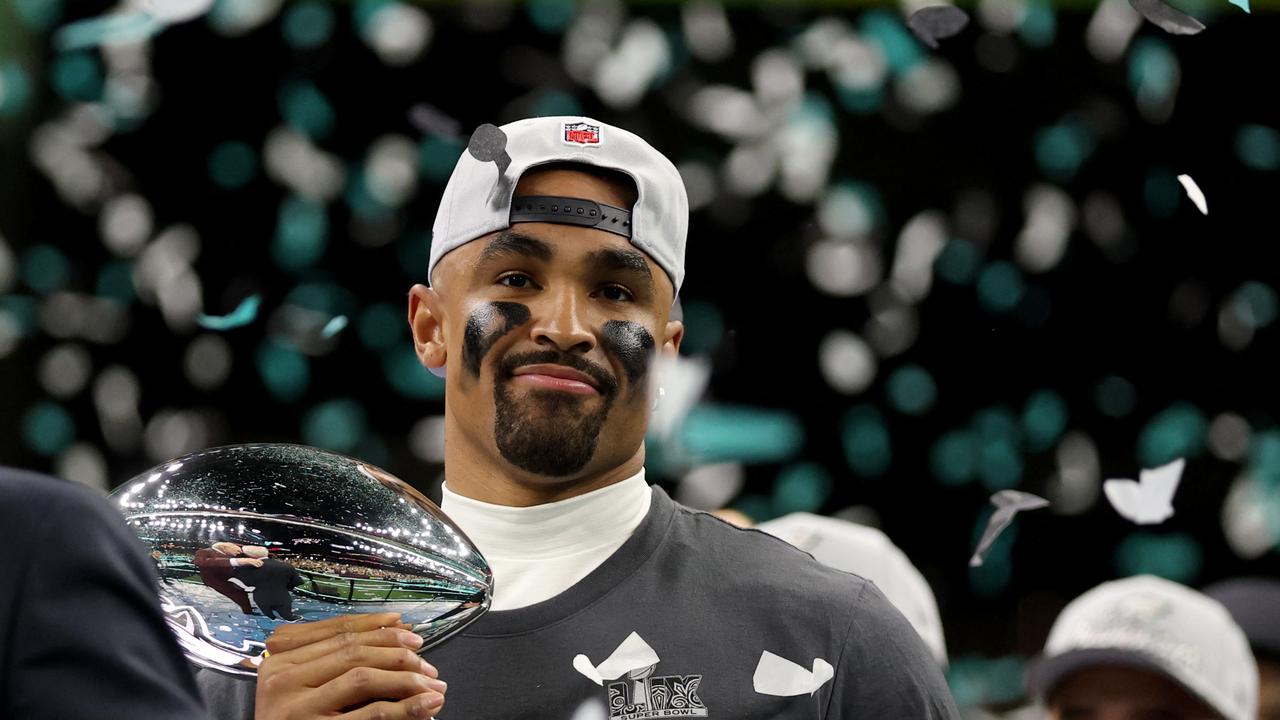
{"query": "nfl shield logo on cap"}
(580, 133)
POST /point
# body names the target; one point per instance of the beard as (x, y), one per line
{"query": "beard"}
(546, 432)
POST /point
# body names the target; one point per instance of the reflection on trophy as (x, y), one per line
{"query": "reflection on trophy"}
(246, 537)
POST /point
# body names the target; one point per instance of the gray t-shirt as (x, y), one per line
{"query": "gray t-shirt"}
(727, 612)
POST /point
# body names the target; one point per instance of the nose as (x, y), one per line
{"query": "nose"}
(559, 322)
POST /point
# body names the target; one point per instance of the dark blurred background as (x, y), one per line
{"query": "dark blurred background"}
(921, 276)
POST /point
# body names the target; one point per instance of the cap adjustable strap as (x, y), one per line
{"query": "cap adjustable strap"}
(571, 211)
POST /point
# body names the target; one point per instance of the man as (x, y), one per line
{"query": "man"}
(268, 583)
(1254, 603)
(557, 253)
(1144, 648)
(216, 563)
(81, 632)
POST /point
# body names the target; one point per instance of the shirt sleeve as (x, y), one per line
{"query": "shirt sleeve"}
(90, 639)
(885, 669)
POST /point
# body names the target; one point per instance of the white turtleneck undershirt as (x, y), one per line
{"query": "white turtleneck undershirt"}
(539, 552)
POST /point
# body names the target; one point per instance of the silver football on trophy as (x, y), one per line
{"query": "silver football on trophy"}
(246, 537)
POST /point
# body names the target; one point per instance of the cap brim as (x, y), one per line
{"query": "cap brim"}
(1046, 673)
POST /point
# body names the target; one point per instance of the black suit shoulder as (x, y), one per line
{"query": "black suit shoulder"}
(74, 565)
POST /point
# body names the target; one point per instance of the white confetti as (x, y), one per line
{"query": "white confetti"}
(780, 677)
(1149, 500)
(1008, 503)
(1194, 192)
(633, 654)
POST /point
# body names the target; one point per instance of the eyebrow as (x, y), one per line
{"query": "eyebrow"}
(627, 261)
(511, 242)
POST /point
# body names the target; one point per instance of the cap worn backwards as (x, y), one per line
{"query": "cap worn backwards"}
(479, 197)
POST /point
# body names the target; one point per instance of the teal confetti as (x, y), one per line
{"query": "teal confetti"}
(115, 281)
(958, 262)
(976, 681)
(724, 433)
(406, 375)
(1115, 396)
(1061, 149)
(48, 428)
(551, 16)
(15, 88)
(334, 326)
(1264, 458)
(45, 269)
(991, 578)
(556, 102)
(39, 15)
(1000, 287)
(999, 465)
(1153, 70)
(302, 234)
(1178, 431)
(77, 77)
(1174, 556)
(381, 326)
(22, 309)
(437, 156)
(306, 109)
(865, 438)
(703, 327)
(1039, 24)
(241, 316)
(337, 425)
(912, 390)
(860, 101)
(1242, 4)
(232, 165)
(107, 30)
(284, 371)
(364, 13)
(1258, 147)
(757, 507)
(801, 488)
(1256, 304)
(1044, 419)
(954, 457)
(308, 25)
(888, 32)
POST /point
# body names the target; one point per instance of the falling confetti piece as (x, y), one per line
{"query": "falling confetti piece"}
(1174, 22)
(177, 11)
(1008, 503)
(936, 22)
(430, 119)
(681, 382)
(112, 29)
(242, 315)
(1149, 500)
(1195, 193)
(334, 326)
(1242, 4)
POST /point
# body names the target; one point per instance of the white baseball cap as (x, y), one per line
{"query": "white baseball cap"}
(867, 552)
(1153, 624)
(478, 199)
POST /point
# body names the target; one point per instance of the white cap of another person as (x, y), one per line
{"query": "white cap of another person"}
(1152, 624)
(867, 552)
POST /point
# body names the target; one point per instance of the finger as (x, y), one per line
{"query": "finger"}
(363, 684)
(295, 636)
(427, 705)
(348, 645)
(327, 667)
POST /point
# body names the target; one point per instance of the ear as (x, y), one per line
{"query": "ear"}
(426, 320)
(672, 337)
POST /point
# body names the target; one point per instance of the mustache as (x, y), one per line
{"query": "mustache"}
(606, 382)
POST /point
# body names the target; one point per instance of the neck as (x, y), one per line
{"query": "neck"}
(476, 473)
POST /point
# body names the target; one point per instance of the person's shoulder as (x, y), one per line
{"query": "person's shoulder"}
(758, 557)
(28, 497)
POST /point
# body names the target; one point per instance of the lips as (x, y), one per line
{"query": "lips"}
(557, 376)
